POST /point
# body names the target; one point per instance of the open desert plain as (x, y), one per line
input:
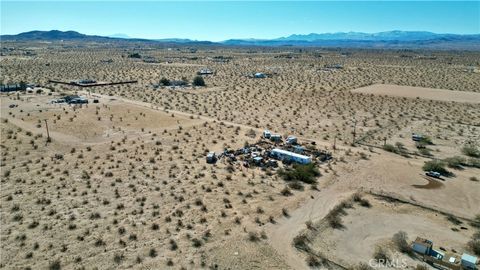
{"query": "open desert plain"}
(129, 181)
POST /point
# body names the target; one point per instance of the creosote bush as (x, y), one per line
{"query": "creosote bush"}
(304, 173)
(437, 166)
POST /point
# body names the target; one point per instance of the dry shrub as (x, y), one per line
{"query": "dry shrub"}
(381, 255)
(301, 242)
(253, 237)
(400, 239)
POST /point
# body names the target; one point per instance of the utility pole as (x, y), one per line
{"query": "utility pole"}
(354, 130)
(48, 134)
(334, 143)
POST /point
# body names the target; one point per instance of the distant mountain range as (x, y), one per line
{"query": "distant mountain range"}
(390, 39)
(53, 35)
(381, 36)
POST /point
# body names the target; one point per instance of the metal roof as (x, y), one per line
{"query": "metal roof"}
(469, 258)
(288, 153)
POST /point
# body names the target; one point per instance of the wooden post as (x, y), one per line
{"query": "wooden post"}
(48, 134)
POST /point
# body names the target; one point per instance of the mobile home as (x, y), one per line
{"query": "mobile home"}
(290, 156)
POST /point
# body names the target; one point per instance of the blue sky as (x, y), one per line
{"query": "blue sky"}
(220, 20)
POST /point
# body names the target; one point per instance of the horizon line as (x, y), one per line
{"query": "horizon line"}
(239, 38)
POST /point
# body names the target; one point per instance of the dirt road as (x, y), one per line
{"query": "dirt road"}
(281, 234)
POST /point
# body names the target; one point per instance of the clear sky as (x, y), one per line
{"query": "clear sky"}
(220, 20)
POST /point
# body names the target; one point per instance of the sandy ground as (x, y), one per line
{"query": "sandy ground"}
(369, 227)
(382, 173)
(374, 174)
(419, 92)
(93, 123)
(138, 157)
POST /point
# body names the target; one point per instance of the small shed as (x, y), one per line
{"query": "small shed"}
(275, 137)
(422, 246)
(469, 261)
(211, 157)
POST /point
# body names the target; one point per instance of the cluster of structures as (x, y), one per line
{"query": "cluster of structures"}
(443, 260)
(16, 87)
(72, 99)
(270, 149)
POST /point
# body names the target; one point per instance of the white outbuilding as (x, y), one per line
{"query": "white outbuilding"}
(469, 261)
(290, 156)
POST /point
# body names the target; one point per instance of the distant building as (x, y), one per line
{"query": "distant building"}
(87, 81)
(205, 71)
(290, 156)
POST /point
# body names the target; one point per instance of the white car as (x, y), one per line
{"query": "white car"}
(433, 174)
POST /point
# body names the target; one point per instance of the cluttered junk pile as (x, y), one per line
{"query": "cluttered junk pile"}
(270, 149)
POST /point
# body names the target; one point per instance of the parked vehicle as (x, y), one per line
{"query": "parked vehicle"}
(267, 134)
(291, 140)
(433, 174)
(417, 137)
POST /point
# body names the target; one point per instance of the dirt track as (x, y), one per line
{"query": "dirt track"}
(420, 92)
(281, 234)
